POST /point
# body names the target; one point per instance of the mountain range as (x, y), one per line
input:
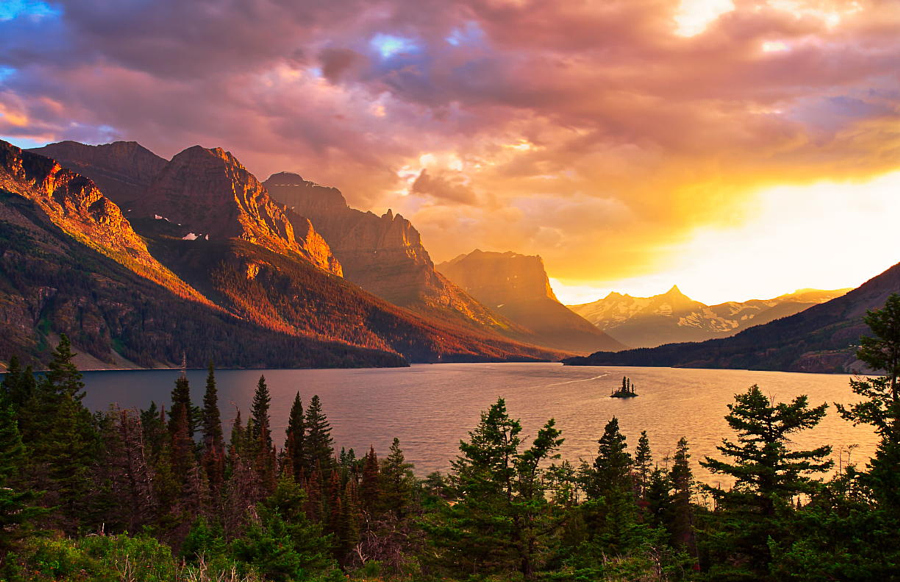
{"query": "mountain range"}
(823, 338)
(141, 260)
(673, 317)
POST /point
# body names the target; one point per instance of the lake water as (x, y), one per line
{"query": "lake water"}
(431, 407)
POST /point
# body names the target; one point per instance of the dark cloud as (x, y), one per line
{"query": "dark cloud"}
(445, 188)
(484, 111)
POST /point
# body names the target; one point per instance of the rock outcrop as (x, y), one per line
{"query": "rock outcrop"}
(384, 255)
(201, 193)
(75, 205)
(672, 317)
(517, 287)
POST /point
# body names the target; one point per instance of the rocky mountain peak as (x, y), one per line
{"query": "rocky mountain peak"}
(495, 278)
(210, 193)
(303, 196)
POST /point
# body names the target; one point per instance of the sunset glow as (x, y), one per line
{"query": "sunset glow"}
(736, 149)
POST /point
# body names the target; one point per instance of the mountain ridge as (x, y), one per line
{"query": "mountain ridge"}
(673, 317)
(822, 338)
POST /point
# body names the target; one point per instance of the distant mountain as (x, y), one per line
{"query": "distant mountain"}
(673, 317)
(385, 256)
(823, 338)
(122, 170)
(249, 296)
(517, 287)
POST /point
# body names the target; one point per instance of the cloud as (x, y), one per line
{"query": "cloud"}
(599, 134)
(445, 188)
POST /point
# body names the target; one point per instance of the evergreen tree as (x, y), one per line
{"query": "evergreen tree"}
(369, 491)
(17, 508)
(213, 440)
(681, 476)
(501, 519)
(259, 414)
(395, 482)
(181, 398)
(60, 437)
(643, 459)
(767, 476)
(319, 444)
(295, 441)
(880, 404)
(18, 385)
(610, 510)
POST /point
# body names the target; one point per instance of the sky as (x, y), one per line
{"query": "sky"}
(737, 148)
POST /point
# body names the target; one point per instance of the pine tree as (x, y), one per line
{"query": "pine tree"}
(181, 397)
(295, 442)
(681, 476)
(17, 509)
(213, 440)
(369, 490)
(18, 385)
(767, 476)
(61, 438)
(643, 459)
(396, 482)
(501, 519)
(318, 442)
(608, 486)
(880, 404)
(259, 414)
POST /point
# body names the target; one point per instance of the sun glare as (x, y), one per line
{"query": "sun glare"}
(826, 236)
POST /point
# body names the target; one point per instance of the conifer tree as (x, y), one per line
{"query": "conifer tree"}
(608, 486)
(643, 459)
(17, 507)
(880, 404)
(259, 414)
(682, 479)
(60, 436)
(767, 476)
(18, 385)
(369, 490)
(319, 444)
(181, 397)
(501, 519)
(295, 441)
(213, 440)
(396, 482)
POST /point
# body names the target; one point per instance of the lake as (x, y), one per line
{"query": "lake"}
(431, 407)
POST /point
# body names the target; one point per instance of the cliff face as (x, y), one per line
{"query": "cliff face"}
(517, 287)
(71, 263)
(384, 255)
(211, 193)
(122, 169)
(75, 205)
(673, 317)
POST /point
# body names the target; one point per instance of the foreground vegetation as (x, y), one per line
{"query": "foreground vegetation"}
(158, 494)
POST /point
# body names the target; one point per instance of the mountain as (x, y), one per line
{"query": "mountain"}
(673, 317)
(385, 256)
(823, 338)
(122, 170)
(517, 287)
(70, 262)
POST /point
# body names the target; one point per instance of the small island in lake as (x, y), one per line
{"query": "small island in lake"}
(626, 390)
